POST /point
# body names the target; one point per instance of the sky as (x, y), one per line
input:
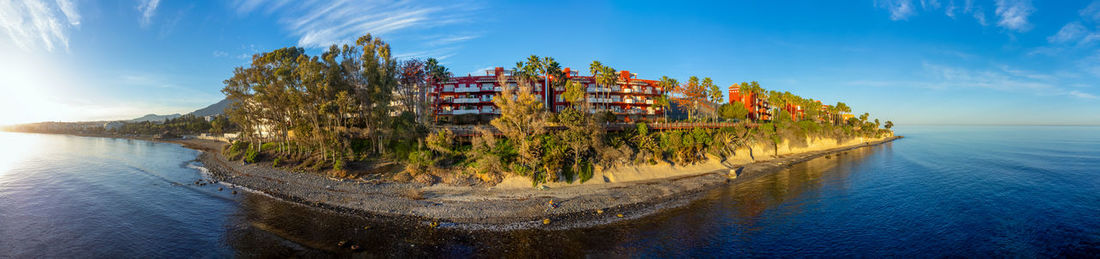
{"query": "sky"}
(909, 61)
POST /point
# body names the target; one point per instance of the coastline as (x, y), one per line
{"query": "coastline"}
(490, 208)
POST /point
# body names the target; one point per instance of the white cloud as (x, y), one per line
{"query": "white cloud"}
(322, 23)
(1080, 94)
(481, 71)
(1070, 32)
(1014, 14)
(1006, 79)
(148, 9)
(979, 15)
(903, 9)
(33, 23)
(69, 9)
(899, 9)
(950, 9)
(930, 4)
(451, 39)
(1092, 11)
(220, 54)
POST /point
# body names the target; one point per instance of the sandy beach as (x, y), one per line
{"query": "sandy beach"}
(512, 204)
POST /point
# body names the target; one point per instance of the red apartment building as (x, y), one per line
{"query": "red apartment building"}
(758, 107)
(469, 99)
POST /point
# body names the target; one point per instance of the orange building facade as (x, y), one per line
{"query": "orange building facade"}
(469, 99)
(758, 107)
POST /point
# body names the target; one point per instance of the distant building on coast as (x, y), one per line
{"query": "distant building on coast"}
(469, 99)
(114, 125)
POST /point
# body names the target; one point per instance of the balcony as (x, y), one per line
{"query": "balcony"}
(467, 89)
(489, 110)
(599, 100)
(464, 111)
(466, 100)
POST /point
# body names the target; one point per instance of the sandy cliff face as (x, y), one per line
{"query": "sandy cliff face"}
(754, 153)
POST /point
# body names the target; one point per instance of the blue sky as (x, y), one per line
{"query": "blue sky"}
(913, 62)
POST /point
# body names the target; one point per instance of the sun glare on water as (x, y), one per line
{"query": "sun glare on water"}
(17, 147)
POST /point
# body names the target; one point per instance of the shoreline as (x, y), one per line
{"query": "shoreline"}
(483, 208)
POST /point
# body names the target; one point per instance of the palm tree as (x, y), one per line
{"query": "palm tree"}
(666, 84)
(604, 77)
(841, 108)
(596, 68)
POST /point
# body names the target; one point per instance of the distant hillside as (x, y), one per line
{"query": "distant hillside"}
(214, 109)
(217, 108)
(156, 118)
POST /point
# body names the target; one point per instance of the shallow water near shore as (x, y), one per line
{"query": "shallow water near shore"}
(941, 191)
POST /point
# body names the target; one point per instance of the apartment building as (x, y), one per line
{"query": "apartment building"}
(469, 99)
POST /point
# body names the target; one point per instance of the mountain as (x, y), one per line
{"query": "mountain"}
(156, 118)
(217, 108)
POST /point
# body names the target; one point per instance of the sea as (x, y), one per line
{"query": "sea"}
(942, 191)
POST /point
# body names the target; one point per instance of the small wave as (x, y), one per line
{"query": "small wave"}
(206, 174)
(200, 167)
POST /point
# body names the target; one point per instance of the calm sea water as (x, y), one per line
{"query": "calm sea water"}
(941, 191)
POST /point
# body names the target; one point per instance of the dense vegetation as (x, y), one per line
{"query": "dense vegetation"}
(179, 126)
(350, 103)
(357, 107)
(183, 125)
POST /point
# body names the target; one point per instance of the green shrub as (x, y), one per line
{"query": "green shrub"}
(420, 158)
(275, 163)
(269, 146)
(250, 155)
(339, 164)
(235, 150)
(586, 171)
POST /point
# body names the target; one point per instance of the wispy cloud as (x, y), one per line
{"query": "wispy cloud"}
(1014, 13)
(899, 9)
(1075, 36)
(481, 71)
(904, 9)
(1080, 94)
(148, 9)
(33, 23)
(1003, 78)
(220, 54)
(1092, 12)
(322, 23)
(979, 13)
(450, 39)
(437, 53)
(69, 9)
(1070, 32)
